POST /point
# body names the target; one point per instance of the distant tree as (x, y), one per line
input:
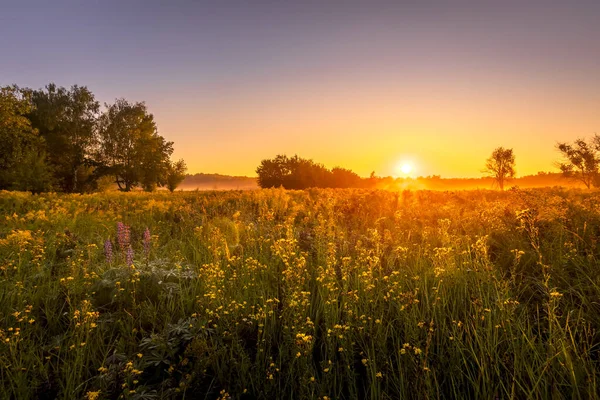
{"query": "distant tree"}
(175, 174)
(66, 119)
(345, 178)
(130, 147)
(272, 172)
(300, 173)
(303, 173)
(22, 160)
(581, 161)
(501, 165)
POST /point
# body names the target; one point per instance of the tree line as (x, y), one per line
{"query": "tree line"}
(580, 162)
(58, 139)
(299, 173)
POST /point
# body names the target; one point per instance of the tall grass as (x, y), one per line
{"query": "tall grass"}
(336, 294)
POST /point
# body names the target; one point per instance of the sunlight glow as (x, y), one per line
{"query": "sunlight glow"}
(405, 168)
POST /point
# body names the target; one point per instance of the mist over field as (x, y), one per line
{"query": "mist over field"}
(541, 180)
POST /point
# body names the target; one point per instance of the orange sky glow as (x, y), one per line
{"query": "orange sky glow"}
(365, 86)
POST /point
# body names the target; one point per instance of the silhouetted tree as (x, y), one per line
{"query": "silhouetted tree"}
(66, 119)
(22, 159)
(271, 172)
(501, 165)
(130, 148)
(345, 178)
(299, 173)
(581, 160)
(175, 174)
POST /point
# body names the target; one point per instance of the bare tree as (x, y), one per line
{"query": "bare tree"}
(501, 165)
(581, 161)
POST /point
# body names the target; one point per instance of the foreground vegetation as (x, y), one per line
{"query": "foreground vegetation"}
(300, 294)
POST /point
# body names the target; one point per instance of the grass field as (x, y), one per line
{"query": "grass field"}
(266, 294)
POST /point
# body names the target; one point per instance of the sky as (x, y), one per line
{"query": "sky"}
(364, 85)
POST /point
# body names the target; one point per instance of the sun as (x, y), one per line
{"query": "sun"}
(406, 168)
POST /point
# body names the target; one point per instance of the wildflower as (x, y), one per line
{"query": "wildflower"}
(129, 259)
(555, 294)
(379, 375)
(123, 235)
(92, 395)
(108, 251)
(140, 355)
(418, 351)
(364, 361)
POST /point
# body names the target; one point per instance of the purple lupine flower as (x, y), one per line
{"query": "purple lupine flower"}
(129, 258)
(108, 251)
(123, 236)
(147, 242)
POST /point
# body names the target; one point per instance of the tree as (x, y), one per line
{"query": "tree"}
(66, 119)
(581, 161)
(130, 147)
(175, 174)
(344, 178)
(272, 172)
(299, 173)
(21, 148)
(501, 165)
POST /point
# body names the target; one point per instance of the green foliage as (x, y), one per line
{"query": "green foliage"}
(22, 159)
(66, 119)
(175, 174)
(131, 148)
(56, 138)
(301, 294)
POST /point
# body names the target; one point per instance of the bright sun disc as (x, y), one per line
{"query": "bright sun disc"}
(406, 169)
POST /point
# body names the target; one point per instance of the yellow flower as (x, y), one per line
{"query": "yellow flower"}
(379, 375)
(92, 395)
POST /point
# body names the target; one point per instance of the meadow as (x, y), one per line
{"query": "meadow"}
(315, 294)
